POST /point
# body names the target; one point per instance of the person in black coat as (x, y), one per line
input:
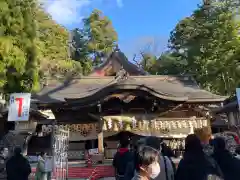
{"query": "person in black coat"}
(195, 165)
(131, 167)
(122, 157)
(18, 167)
(229, 165)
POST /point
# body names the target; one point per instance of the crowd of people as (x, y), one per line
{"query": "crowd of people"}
(17, 166)
(205, 158)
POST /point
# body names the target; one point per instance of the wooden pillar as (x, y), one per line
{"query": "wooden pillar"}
(100, 131)
(100, 136)
(100, 142)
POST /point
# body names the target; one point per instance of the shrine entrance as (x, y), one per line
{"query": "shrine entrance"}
(60, 152)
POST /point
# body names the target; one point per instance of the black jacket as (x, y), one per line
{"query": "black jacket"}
(195, 166)
(121, 160)
(129, 173)
(229, 165)
(18, 168)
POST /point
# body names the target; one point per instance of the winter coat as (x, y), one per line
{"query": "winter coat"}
(40, 170)
(121, 160)
(229, 165)
(197, 163)
(18, 168)
(167, 169)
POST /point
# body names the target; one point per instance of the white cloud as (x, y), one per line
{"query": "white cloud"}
(67, 12)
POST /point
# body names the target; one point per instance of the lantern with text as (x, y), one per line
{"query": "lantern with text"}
(19, 107)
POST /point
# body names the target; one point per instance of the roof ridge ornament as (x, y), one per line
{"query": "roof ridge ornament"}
(121, 75)
(117, 49)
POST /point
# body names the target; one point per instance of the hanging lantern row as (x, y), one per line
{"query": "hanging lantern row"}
(113, 125)
(118, 125)
(84, 129)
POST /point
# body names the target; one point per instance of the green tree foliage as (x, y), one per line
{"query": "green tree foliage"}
(18, 51)
(168, 63)
(209, 42)
(53, 43)
(31, 44)
(79, 50)
(95, 41)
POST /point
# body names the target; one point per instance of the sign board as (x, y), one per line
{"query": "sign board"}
(93, 151)
(19, 107)
(238, 96)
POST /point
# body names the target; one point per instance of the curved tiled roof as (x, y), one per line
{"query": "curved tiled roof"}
(120, 57)
(87, 89)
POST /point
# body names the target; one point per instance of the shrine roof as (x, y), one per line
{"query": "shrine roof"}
(120, 57)
(86, 89)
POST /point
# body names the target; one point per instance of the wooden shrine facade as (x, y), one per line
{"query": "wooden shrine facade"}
(119, 96)
(99, 107)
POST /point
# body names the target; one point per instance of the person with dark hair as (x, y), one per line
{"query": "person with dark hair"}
(166, 163)
(147, 166)
(122, 158)
(18, 167)
(131, 167)
(229, 165)
(166, 150)
(195, 164)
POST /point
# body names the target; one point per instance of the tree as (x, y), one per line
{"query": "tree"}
(31, 45)
(53, 44)
(167, 63)
(170, 63)
(209, 42)
(100, 35)
(79, 50)
(18, 52)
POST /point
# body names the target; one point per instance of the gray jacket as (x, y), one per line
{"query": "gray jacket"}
(165, 164)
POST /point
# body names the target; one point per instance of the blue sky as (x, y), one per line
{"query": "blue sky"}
(138, 23)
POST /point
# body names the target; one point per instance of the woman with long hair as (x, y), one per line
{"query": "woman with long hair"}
(195, 164)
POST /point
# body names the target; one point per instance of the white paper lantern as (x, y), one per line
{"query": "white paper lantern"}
(200, 123)
(121, 124)
(109, 124)
(184, 124)
(134, 122)
(195, 124)
(179, 124)
(205, 123)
